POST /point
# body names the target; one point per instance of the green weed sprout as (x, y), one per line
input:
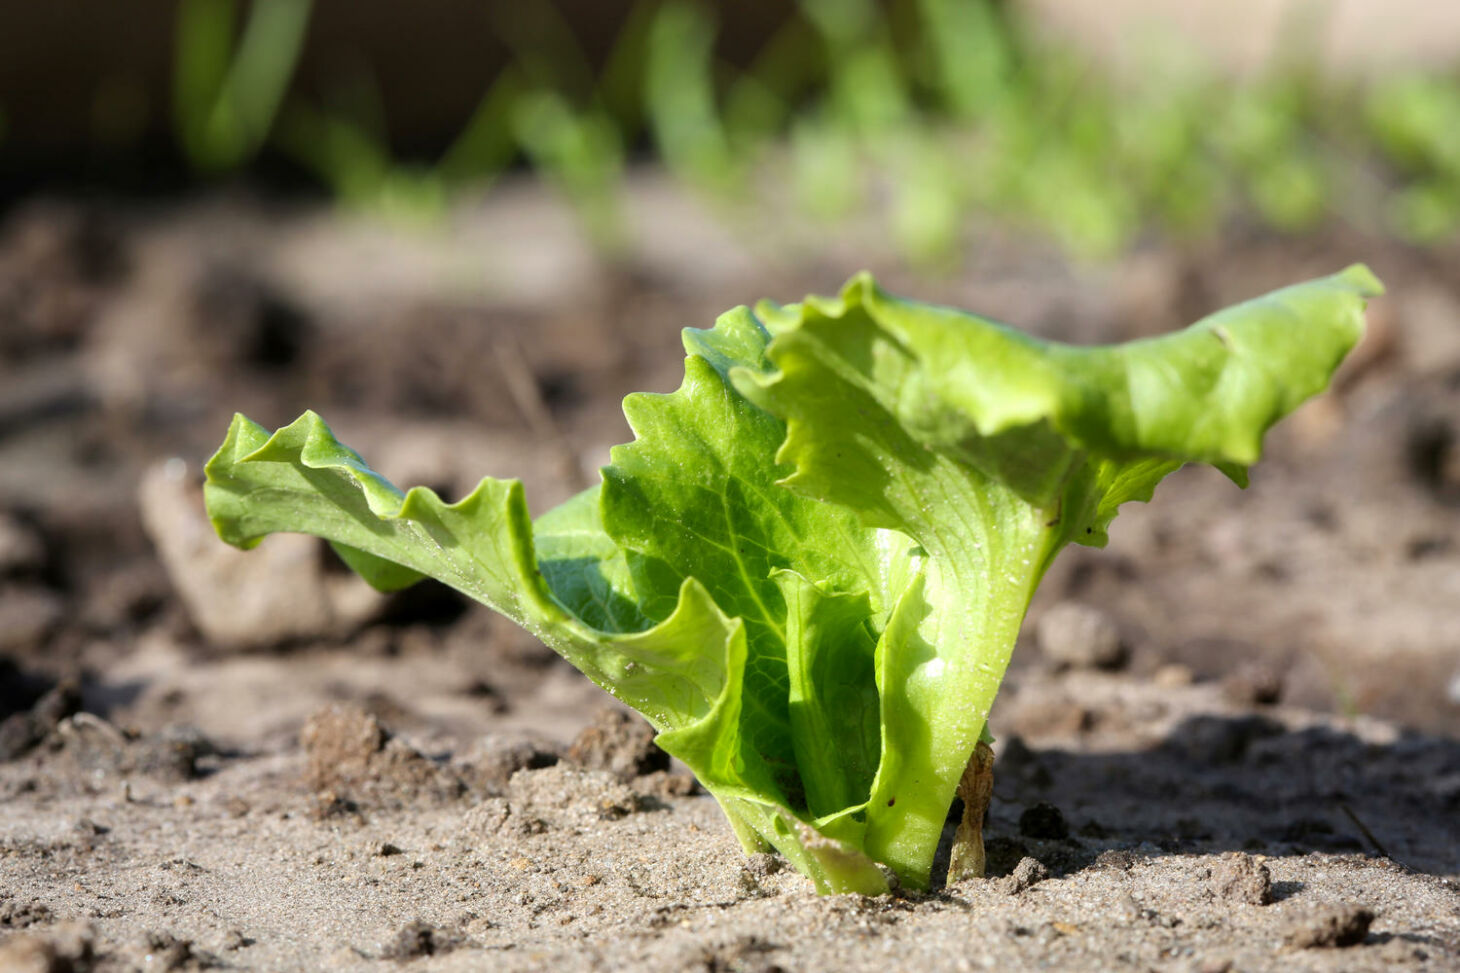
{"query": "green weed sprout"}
(356, 159)
(679, 95)
(808, 569)
(1413, 119)
(226, 97)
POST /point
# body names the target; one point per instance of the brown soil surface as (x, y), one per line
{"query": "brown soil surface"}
(249, 761)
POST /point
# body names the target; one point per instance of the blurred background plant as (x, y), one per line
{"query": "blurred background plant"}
(923, 114)
(228, 90)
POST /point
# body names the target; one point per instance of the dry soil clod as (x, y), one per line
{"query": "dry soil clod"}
(1329, 926)
(1242, 878)
(564, 796)
(620, 743)
(417, 939)
(491, 761)
(68, 948)
(1043, 822)
(355, 758)
(1027, 874)
(22, 731)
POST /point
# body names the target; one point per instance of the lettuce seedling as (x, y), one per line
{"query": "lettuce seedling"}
(809, 567)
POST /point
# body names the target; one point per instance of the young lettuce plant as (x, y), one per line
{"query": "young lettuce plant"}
(809, 567)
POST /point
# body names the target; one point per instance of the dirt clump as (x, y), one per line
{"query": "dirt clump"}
(763, 865)
(1242, 878)
(68, 948)
(86, 745)
(1330, 925)
(171, 754)
(351, 756)
(76, 749)
(1027, 874)
(1216, 741)
(489, 763)
(20, 732)
(664, 784)
(418, 938)
(20, 915)
(1044, 822)
(567, 797)
(57, 263)
(1117, 859)
(620, 743)
(166, 952)
(1002, 855)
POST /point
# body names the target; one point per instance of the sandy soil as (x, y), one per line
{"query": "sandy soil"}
(210, 759)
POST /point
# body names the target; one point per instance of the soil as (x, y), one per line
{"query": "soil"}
(1234, 744)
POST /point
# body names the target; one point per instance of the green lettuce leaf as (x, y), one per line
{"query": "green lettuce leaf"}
(809, 568)
(992, 450)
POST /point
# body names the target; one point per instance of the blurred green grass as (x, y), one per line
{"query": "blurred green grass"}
(926, 112)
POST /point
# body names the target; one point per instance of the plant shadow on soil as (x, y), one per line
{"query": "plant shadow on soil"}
(1229, 783)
